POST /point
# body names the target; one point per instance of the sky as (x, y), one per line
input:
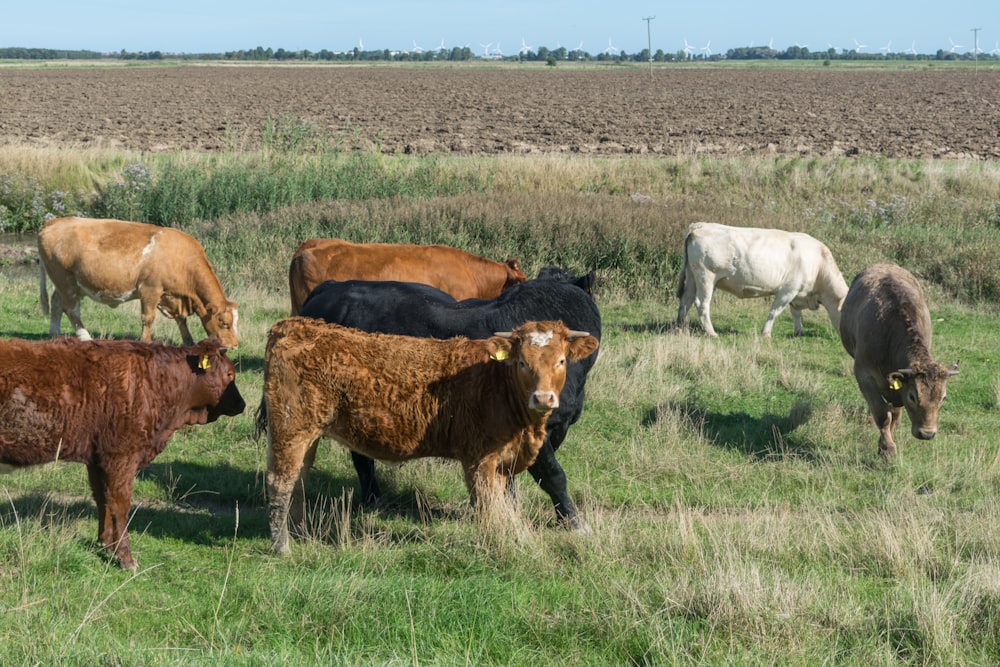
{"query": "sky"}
(207, 26)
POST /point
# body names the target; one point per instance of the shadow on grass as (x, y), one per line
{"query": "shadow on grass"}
(205, 503)
(767, 437)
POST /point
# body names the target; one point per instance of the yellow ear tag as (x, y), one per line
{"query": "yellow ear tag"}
(895, 385)
(499, 355)
(203, 364)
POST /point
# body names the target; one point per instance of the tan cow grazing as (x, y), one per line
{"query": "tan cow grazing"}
(111, 405)
(456, 272)
(886, 327)
(113, 261)
(794, 268)
(395, 398)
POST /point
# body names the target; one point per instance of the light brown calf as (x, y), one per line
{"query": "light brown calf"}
(395, 398)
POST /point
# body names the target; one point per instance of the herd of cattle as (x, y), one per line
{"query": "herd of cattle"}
(397, 352)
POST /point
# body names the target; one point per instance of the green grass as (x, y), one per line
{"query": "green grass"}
(741, 513)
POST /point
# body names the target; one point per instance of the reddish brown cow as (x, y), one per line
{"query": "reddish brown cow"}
(395, 398)
(113, 261)
(111, 405)
(453, 271)
(886, 327)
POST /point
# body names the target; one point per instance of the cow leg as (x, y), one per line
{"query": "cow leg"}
(484, 483)
(687, 300)
(885, 417)
(552, 478)
(781, 301)
(148, 314)
(113, 495)
(70, 306)
(185, 332)
(887, 445)
(285, 458)
(371, 493)
(797, 320)
(98, 489)
(703, 302)
(297, 511)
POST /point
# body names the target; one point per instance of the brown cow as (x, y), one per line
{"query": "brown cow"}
(453, 271)
(111, 405)
(886, 327)
(113, 261)
(482, 402)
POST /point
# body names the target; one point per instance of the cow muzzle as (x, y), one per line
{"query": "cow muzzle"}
(924, 433)
(542, 401)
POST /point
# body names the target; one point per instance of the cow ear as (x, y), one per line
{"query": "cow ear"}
(896, 380)
(199, 363)
(499, 348)
(581, 348)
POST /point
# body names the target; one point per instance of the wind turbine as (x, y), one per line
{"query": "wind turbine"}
(802, 46)
(687, 49)
(486, 49)
(612, 49)
(497, 51)
(417, 49)
(858, 46)
(707, 49)
(441, 46)
(996, 51)
(888, 47)
(954, 46)
(525, 48)
(913, 48)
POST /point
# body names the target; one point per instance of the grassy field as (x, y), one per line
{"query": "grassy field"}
(741, 513)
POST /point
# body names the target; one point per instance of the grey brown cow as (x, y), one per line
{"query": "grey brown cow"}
(886, 327)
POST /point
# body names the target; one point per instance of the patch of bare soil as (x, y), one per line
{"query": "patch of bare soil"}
(514, 110)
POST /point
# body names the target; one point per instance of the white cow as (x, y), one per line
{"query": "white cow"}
(795, 268)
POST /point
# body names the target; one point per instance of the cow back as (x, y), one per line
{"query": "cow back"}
(459, 273)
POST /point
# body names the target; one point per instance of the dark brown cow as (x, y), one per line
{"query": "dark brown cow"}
(111, 405)
(886, 327)
(453, 271)
(113, 261)
(395, 398)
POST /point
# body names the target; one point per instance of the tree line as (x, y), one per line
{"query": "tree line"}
(456, 53)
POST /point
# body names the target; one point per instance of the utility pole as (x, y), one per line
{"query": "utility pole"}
(975, 48)
(649, 43)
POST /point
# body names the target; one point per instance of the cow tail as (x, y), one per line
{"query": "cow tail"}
(260, 421)
(684, 263)
(43, 289)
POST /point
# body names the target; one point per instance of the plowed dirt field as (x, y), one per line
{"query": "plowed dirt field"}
(513, 109)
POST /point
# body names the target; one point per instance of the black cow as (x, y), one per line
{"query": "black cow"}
(412, 309)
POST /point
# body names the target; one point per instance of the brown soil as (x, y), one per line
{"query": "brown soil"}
(514, 110)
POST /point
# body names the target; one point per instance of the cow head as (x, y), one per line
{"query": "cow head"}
(221, 324)
(213, 390)
(921, 390)
(537, 354)
(515, 275)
